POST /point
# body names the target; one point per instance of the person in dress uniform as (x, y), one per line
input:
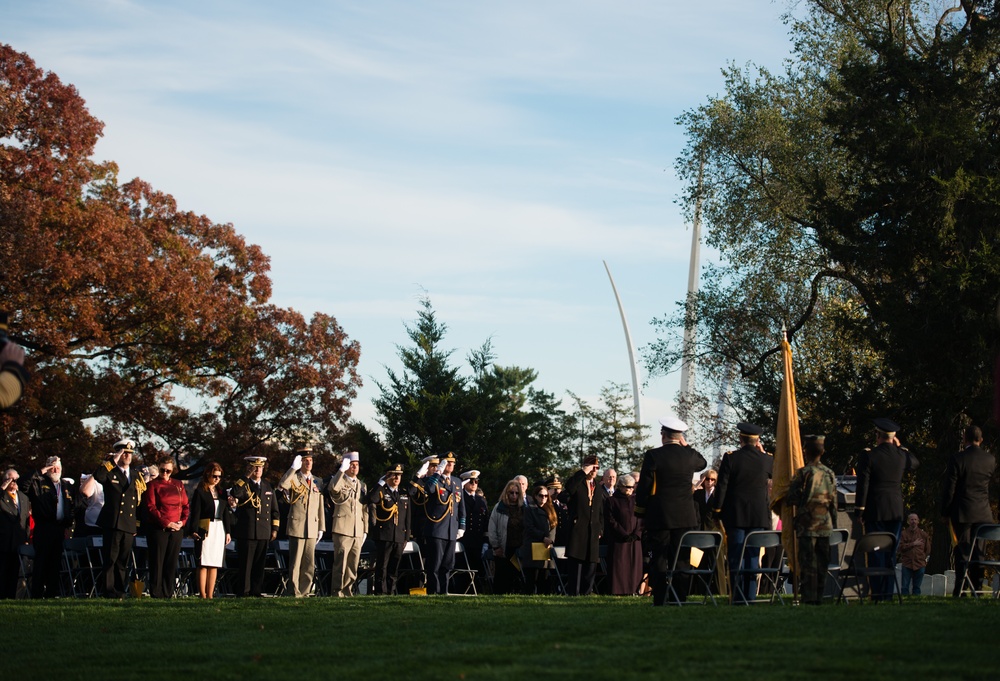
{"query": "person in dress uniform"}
(350, 523)
(119, 518)
(477, 519)
(445, 522)
(663, 500)
(306, 521)
(879, 495)
(256, 509)
(965, 502)
(390, 513)
(741, 503)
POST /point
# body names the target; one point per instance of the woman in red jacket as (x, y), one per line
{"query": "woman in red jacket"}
(167, 504)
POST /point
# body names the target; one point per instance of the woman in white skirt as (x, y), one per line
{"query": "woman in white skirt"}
(210, 525)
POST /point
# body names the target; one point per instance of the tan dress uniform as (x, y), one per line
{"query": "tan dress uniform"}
(350, 522)
(306, 522)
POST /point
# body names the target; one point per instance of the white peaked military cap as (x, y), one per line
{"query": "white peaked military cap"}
(673, 423)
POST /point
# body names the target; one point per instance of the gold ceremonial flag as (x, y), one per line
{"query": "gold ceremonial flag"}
(787, 456)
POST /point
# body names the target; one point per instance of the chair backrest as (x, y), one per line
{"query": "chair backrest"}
(839, 536)
(459, 547)
(763, 539)
(559, 552)
(988, 532)
(701, 540)
(875, 541)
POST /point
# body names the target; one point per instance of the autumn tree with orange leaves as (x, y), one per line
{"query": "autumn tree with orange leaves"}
(141, 319)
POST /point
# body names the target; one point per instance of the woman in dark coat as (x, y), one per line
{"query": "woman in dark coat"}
(539, 528)
(625, 555)
(210, 524)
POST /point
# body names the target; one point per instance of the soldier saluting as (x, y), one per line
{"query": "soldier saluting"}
(879, 497)
(391, 519)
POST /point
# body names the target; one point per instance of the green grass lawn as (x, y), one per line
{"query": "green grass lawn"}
(491, 637)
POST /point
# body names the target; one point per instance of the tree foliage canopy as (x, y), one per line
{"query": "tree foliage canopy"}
(855, 199)
(140, 318)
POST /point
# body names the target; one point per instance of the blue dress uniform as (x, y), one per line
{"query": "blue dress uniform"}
(119, 519)
(741, 502)
(445, 516)
(257, 520)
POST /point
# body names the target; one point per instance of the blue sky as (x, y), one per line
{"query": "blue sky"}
(490, 155)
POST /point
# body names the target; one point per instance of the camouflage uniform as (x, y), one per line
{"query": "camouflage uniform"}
(814, 494)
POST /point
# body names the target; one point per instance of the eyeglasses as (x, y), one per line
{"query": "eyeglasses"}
(512, 494)
(541, 496)
(216, 477)
(629, 486)
(166, 470)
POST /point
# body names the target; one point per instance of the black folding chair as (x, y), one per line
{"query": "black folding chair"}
(710, 545)
(755, 541)
(860, 568)
(838, 549)
(989, 535)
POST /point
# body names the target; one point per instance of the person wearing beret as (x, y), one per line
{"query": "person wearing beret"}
(350, 524)
(306, 521)
(965, 501)
(741, 503)
(168, 510)
(257, 519)
(663, 500)
(390, 513)
(119, 518)
(879, 495)
(586, 508)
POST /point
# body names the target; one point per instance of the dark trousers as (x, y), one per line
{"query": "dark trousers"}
(964, 533)
(251, 555)
(664, 545)
(117, 553)
(814, 560)
(387, 557)
(164, 547)
(884, 587)
(440, 563)
(48, 543)
(10, 571)
(581, 577)
(506, 577)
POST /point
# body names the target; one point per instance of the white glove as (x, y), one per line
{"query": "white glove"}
(297, 462)
(422, 471)
(381, 481)
(364, 538)
(345, 464)
(460, 533)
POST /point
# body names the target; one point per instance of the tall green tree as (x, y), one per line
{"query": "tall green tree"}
(490, 415)
(855, 199)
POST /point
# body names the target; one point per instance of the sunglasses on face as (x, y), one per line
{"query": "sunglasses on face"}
(216, 477)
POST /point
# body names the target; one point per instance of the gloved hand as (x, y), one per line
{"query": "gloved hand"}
(345, 464)
(297, 462)
(381, 481)
(422, 471)
(461, 532)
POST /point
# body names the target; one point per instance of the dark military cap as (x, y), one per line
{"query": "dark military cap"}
(886, 426)
(749, 429)
(394, 470)
(554, 482)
